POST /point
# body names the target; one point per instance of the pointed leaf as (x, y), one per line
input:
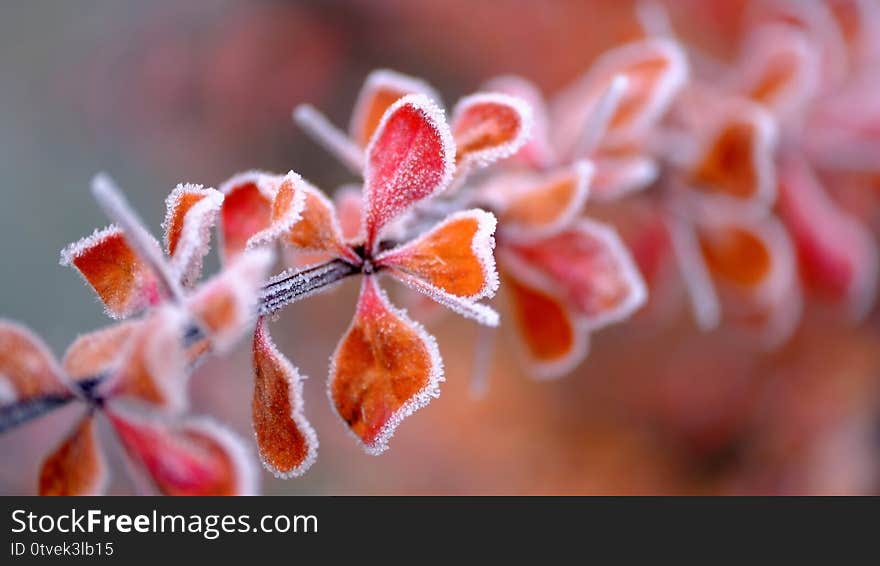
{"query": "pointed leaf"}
(542, 205)
(409, 158)
(27, 367)
(537, 151)
(287, 442)
(455, 256)
(77, 466)
(124, 282)
(385, 368)
(488, 127)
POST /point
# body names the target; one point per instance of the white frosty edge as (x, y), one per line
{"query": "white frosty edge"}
(482, 246)
(485, 157)
(638, 294)
(545, 371)
(467, 308)
(393, 80)
(297, 404)
(263, 180)
(417, 401)
(541, 152)
(763, 151)
(291, 216)
(195, 234)
(667, 86)
(436, 119)
(584, 171)
(75, 249)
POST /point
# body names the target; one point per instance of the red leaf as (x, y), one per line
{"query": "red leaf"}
(409, 158)
(196, 457)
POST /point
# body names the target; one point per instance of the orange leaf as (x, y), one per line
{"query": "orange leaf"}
(455, 256)
(121, 279)
(77, 466)
(544, 204)
(382, 89)
(554, 340)
(737, 157)
(385, 368)
(489, 126)
(191, 211)
(27, 367)
(287, 442)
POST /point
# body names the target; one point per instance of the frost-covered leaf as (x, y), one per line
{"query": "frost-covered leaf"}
(382, 89)
(107, 262)
(385, 368)
(151, 363)
(837, 254)
(736, 156)
(655, 69)
(287, 442)
(542, 205)
(191, 212)
(98, 352)
(591, 268)
(752, 261)
(488, 127)
(27, 367)
(455, 256)
(410, 157)
(77, 465)
(246, 210)
(225, 305)
(314, 228)
(537, 151)
(779, 69)
(194, 457)
(287, 207)
(554, 340)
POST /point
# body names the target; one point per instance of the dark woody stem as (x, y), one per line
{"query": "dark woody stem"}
(281, 290)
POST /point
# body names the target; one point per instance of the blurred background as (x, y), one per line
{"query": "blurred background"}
(164, 92)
